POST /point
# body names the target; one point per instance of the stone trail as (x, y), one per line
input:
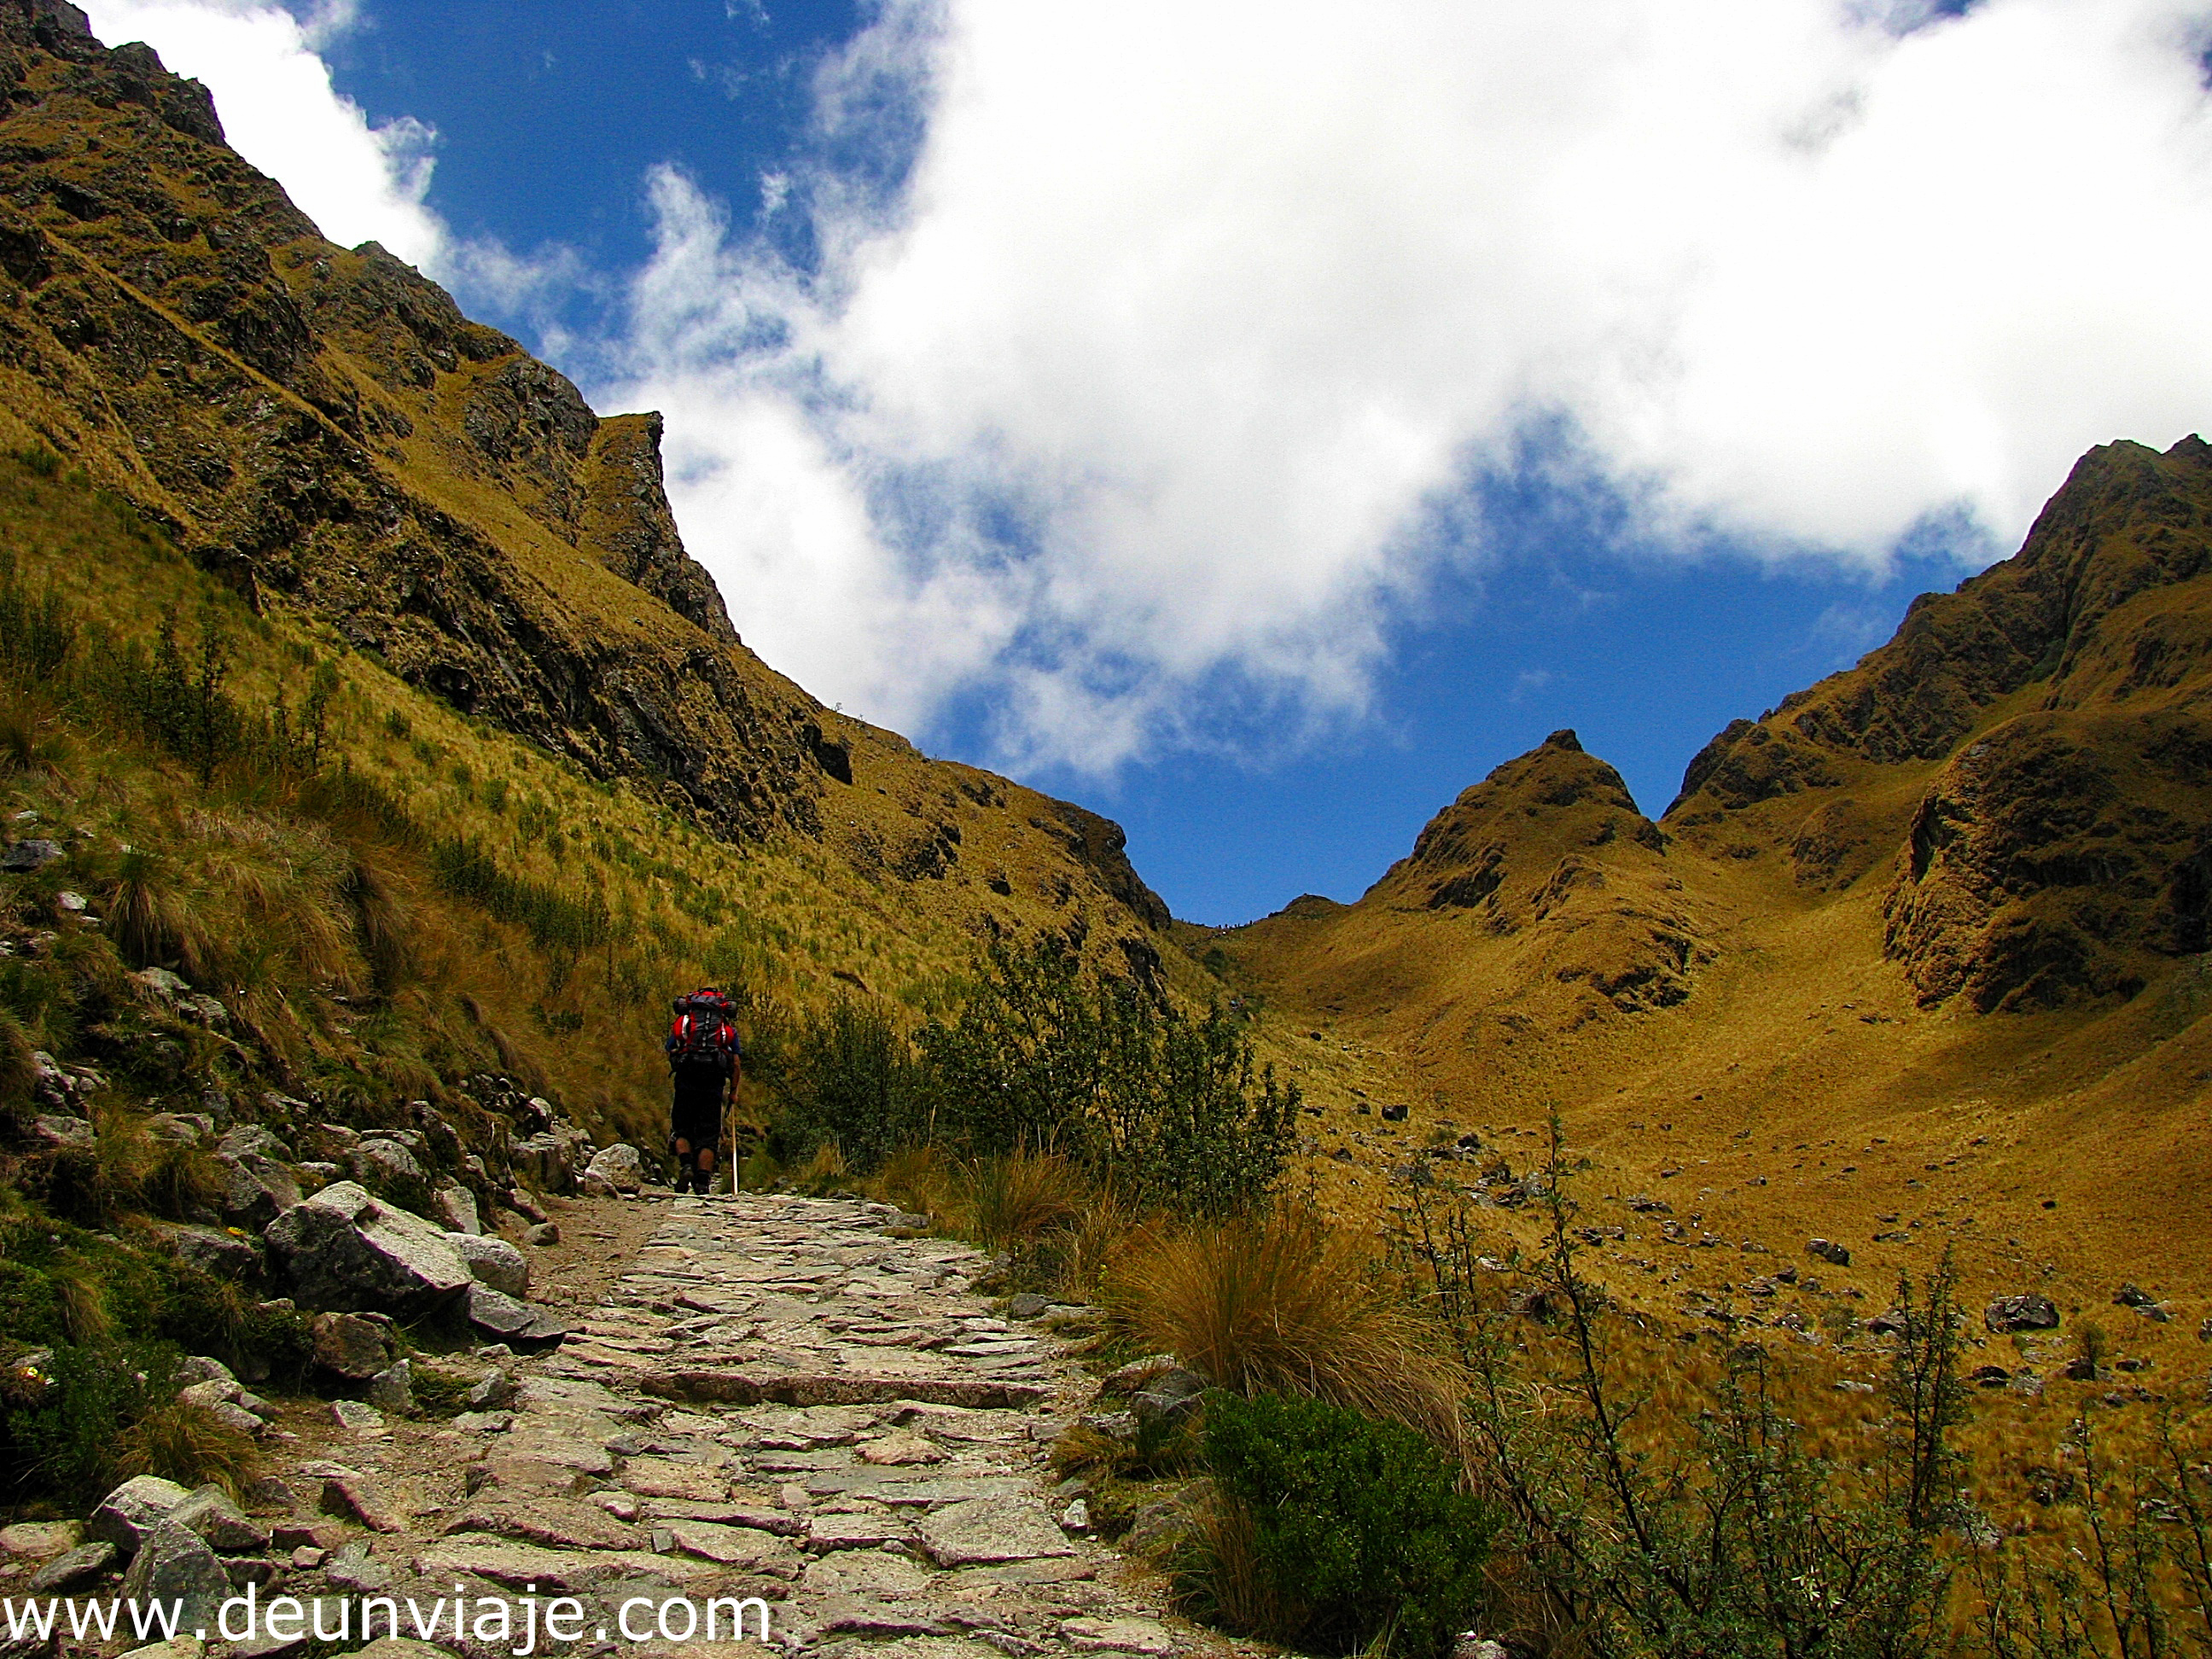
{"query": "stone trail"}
(777, 1399)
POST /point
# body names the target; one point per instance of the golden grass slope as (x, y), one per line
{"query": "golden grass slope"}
(323, 429)
(1916, 958)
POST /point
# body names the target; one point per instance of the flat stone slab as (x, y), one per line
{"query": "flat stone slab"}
(991, 1530)
(825, 1533)
(753, 1388)
(736, 1547)
(503, 1561)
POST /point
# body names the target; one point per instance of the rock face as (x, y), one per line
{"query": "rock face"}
(344, 1250)
(2059, 852)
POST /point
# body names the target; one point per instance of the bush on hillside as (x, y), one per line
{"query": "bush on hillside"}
(1169, 1107)
(1046, 1054)
(1334, 1531)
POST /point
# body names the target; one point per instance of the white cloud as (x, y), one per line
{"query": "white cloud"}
(358, 182)
(1130, 410)
(1220, 302)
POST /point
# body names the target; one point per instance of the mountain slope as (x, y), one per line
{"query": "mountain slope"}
(326, 432)
(1918, 954)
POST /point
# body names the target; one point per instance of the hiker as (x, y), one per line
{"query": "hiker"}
(702, 1065)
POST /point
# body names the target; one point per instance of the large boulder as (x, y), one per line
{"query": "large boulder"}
(353, 1345)
(618, 1166)
(344, 1250)
(175, 1564)
(132, 1511)
(494, 1262)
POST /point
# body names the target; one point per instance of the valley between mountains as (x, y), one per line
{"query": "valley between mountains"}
(376, 763)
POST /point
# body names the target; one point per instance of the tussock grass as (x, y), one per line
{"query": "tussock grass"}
(1021, 1199)
(187, 1444)
(1279, 1302)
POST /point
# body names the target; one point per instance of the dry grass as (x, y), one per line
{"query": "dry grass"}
(1022, 1199)
(187, 1444)
(922, 1181)
(1281, 1302)
(1232, 1586)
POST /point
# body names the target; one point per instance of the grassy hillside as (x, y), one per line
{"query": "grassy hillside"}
(1916, 958)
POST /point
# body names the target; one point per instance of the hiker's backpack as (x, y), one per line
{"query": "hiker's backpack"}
(704, 1031)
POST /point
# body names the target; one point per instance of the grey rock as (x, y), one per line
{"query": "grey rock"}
(494, 1262)
(257, 1188)
(2031, 1311)
(1171, 1397)
(543, 1161)
(174, 1564)
(41, 1540)
(161, 983)
(344, 1249)
(212, 1250)
(383, 1160)
(134, 1508)
(524, 1205)
(226, 1528)
(989, 1529)
(257, 1139)
(59, 1134)
(353, 1346)
(454, 1207)
(1829, 1251)
(2132, 1296)
(495, 1391)
(545, 1235)
(355, 1569)
(356, 1418)
(620, 1167)
(34, 853)
(185, 1130)
(1027, 1305)
(393, 1390)
(67, 1571)
(509, 1320)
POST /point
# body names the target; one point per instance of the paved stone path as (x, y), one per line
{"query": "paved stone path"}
(780, 1398)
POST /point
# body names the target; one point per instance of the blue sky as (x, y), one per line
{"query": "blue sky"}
(1258, 423)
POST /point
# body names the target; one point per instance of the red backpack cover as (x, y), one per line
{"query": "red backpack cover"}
(703, 1030)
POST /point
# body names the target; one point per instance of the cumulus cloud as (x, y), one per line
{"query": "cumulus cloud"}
(1151, 382)
(360, 183)
(1153, 353)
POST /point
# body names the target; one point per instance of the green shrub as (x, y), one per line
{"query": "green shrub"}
(1049, 1052)
(1339, 1530)
(847, 1078)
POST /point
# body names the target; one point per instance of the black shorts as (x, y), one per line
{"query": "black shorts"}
(696, 1113)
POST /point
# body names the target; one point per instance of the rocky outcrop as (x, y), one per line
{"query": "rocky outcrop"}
(1550, 845)
(343, 1250)
(2056, 707)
